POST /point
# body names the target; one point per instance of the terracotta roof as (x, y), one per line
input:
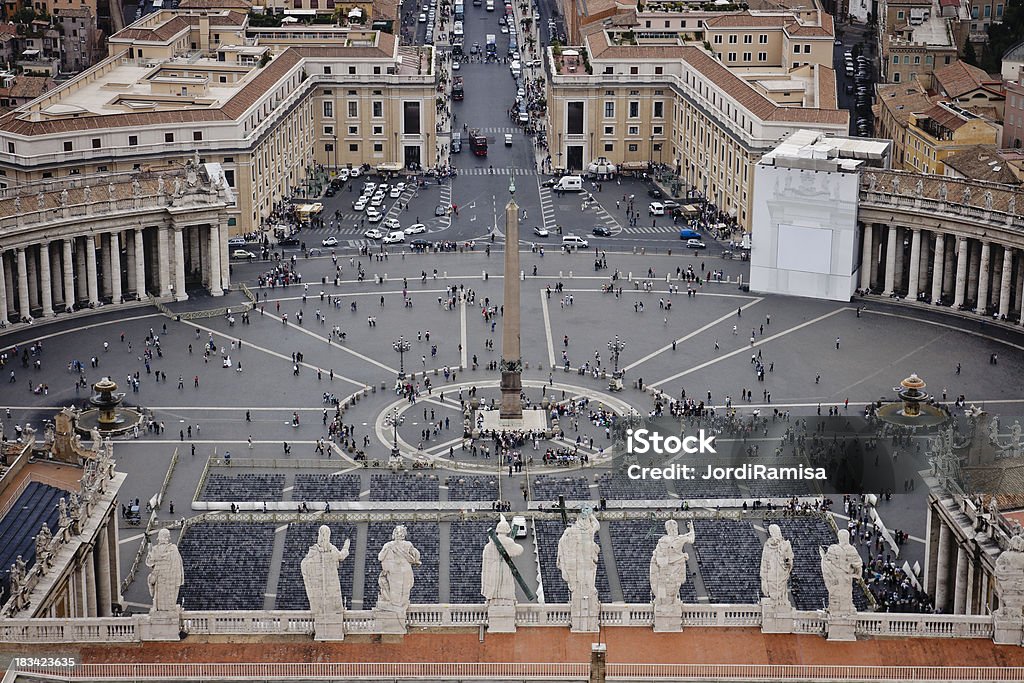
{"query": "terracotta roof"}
(747, 20)
(903, 99)
(171, 28)
(730, 83)
(385, 9)
(215, 4)
(827, 87)
(264, 81)
(27, 87)
(960, 78)
(944, 117)
(982, 162)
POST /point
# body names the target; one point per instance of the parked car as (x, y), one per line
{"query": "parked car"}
(440, 210)
(330, 242)
(236, 242)
(373, 234)
(419, 243)
(242, 254)
(540, 232)
(373, 215)
(655, 193)
(602, 231)
(656, 209)
(360, 204)
(395, 192)
(695, 244)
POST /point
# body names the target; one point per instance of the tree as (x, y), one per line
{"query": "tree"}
(970, 54)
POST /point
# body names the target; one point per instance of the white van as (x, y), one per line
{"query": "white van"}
(656, 209)
(569, 183)
(574, 242)
(490, 5)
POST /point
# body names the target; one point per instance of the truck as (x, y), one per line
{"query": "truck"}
(478, 142)
(492, 45)
(460, 11)
(458, 89)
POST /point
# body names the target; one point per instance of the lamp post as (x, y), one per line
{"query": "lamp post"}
(616, 346)
(559, 150)
(335, 151)
(393, 419)
(401, 345)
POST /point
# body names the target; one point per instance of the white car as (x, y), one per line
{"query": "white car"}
(330, 242)
(360, 204)
(355, 173)
(519, 527)
(541, 232)
(373, 215)
(236, 242)
(394, 237)
(373, 234)
(401, 187)
(343, 174)
(521, 93)
(656, 209)
(392, 224)
(423, 18)
(242, 254)
(416, 229)
(377, 200)
(695, 244)
(455, 66)
(368, 188)
(508, 139)
(395, 192)
(504, 29)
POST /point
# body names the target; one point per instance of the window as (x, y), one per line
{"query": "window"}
(748, 39)
(329, 147)
(353, 131)
(609, 147)
(988, 11)
(378, 130)
(718, 39)
(353, 109)
(633, 130)
(133, 140)
(411, 118)
(95, 143)
(657, 130)
(168, 137)
(634, 70)
(632, 148)
(732, 39)
(609, 110)
(906, 59)
(746, 56)
(378, 109)
(68, 146)
(917, 59)
(763, 39)
(999, 10)
(327, 71)
(896, 77)
(353, 147)
(378, 147)
(807, 49)
(10, 148)
(732, 57)
(895, 59)
(609, 130)
(609, 70)
(796, 49)
(229, 176)
(574, 117)
(900, 14)
(634, 109)
(376, 71)
(762, 56)
(658, 70)
(328, 130)
(197, 135)
(328, 109)
(351, 71)
(659, 109)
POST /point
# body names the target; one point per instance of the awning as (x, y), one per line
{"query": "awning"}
(391, 167)
(634, 165)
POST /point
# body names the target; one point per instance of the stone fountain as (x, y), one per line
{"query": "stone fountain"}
(914, 408)
(107, 414)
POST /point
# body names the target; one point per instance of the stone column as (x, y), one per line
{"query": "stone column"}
(213, 262)
(973, 269)
(90, 270)
(45, 286)
(82, 290)
(163, 261)
(194, 251)
(129, 261)
(942, 569)
(865, 260)
(937, 262)
(1004, 284)
(33, 283)
(3, 289)
(225, 258)
(179, 265)
(24, 309)
(961, 273)
(890, 260)
(115, 267)
(970, 602)
(69, 274)
(948, 274)
(876, 246)
(983, 276)
(90, 584)
(901, 236)
(140, 264)
(107, 284)
(915, 264)
(103, 598)
(960, 587)
(9, 277)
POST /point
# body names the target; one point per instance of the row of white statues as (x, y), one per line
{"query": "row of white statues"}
(577, 560)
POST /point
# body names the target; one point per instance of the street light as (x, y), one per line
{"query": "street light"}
(616, 346)
(335, 152)
(401, 345)
(393, 419)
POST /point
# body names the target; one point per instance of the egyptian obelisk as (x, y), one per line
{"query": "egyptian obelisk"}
(511, 361)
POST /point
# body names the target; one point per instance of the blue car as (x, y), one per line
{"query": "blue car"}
(688, 234)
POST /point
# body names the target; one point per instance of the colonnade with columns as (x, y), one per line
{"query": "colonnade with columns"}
(53, 275)
(959, 564)
(978, 274)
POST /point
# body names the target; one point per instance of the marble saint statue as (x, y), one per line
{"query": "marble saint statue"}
(320, 574)
(943, 191)
(668, 563)
(64, 197)
(87, 193)
(840, 565)
(776, 566)
(989, 198)
(1009, 575)
(578, 554)
(397, 558)
(896, 185)
(167, 574)
(497, 584)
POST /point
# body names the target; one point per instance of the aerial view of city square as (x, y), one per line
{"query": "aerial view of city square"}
(491, 341)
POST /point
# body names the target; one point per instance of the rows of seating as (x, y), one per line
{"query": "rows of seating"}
(36, 504)
(555, 588)
(699, 488)
(618, 486)
(468, 539)
(226, 565)
(404, 486)
(547, 488)
(778, 488)
(326, 487)
(425, 536)
(484, 489)
(243, 488)
(729, 558)
(633, 543)
(808, 535)
(291, 590)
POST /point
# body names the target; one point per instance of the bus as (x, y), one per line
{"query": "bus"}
(492, 46)
(458, 89)
(306, 212)
(478, 143)
(460, 11)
